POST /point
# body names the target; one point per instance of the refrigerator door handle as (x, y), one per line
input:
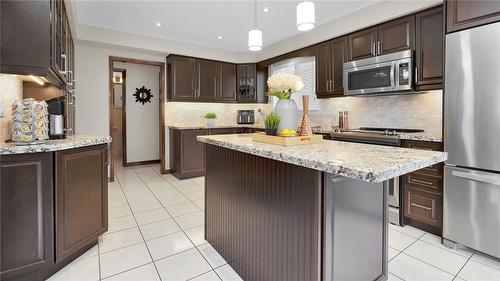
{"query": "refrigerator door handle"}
(495, 180)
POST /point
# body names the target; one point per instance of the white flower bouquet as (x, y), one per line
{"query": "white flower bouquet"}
(282, 85)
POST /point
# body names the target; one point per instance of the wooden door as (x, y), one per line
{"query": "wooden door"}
(397, 35)
(206, 89)
(192, 153)
(323, 69)
(429, 49)
(339, 56)
(183, 78)
(81, 198)
(24, 37)
(26, 215)
(247, 83)
(362, 44)
(227, 82)
(466, 14)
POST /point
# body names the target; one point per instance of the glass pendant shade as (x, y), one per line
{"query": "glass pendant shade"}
(255, 40)
(305, 16)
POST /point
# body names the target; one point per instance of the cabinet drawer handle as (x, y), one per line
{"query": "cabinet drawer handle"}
(421, 182)
(421, 206)
(64, 72)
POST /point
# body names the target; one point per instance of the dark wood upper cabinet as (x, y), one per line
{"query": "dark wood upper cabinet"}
(206, 86)
(389, 37)
(227, 82)
(200, 80)
(81, 199)
(339, 57)
(429, 49)
(330, 58)
(247, 83)
(27, 226)
(34, 39)
(466, 14)
(362, 44)
(184, 78)
(323, 68)
(396, 35)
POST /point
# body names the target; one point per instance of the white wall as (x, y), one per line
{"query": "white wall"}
(383, 11)
(11, 89)
(92, 86)
(142, 119)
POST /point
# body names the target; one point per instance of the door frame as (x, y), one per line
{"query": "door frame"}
(124, 114)
(161, 115)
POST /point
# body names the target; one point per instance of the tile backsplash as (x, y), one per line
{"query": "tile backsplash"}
(416, 111)
(11, 89)
(190, 113)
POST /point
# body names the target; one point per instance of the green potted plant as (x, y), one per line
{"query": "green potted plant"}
(272, 122)
(210, 119)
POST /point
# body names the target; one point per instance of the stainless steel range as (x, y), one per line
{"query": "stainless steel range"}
(380, 136)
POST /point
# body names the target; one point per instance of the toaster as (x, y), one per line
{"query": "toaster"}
(245, 117)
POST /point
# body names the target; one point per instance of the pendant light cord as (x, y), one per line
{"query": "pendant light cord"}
(255, 14)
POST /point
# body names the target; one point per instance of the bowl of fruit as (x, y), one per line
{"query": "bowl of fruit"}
(287, 133)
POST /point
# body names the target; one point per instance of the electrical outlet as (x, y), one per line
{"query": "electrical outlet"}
(2, 109)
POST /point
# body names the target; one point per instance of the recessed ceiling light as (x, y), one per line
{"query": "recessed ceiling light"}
(219, 37)
(158, 24)
(265, 9)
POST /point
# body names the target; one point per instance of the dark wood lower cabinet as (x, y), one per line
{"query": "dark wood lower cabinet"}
(423, 193)
(187, 154)
(53, 208)
(27, 232)
(81, 198)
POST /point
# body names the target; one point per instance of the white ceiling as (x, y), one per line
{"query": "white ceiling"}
(200, 22)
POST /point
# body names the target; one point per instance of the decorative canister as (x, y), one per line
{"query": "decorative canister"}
(30, 123)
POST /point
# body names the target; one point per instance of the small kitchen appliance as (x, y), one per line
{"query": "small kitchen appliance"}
(391, 73)
(56, 118)
(380, 136)
(245, 117)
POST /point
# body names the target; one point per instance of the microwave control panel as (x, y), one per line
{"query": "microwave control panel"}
(404, 73)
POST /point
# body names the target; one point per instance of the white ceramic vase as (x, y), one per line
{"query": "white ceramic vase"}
(209, 122)
(289, 112)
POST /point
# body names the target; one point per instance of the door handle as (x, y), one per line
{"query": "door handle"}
(421, 206)
(379, 47)
(422, 182)
(495, 180)
(393, 74)
(373, 49)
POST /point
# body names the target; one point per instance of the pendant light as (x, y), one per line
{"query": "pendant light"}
(305, 16)
(255, 35)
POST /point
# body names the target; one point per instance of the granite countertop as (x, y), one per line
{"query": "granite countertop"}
(53, 145)
(216, 126)
(424, 136)
(371, 163)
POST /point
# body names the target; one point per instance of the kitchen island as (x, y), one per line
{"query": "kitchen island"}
(310, 212)
(54, 204)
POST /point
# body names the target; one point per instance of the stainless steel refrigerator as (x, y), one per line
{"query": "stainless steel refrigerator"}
(471, 214)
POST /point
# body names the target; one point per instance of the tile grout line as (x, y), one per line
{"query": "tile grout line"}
(135, 219)
(461, 268)
(213, 269)
(195, 247)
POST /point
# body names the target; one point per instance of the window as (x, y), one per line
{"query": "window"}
(304, 67)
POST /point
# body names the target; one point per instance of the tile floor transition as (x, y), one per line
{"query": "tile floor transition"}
(156, 233)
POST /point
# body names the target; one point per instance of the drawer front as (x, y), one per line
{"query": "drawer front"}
(424, 145)
(435, 170)
(423, 206)
(424, 182)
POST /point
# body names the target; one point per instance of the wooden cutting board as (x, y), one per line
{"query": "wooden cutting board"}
(286, 141)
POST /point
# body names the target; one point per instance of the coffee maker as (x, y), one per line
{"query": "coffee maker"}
(56, 118)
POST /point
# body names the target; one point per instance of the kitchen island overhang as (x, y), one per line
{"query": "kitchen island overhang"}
(312, 212)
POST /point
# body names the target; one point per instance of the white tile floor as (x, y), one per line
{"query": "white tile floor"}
(156, 233)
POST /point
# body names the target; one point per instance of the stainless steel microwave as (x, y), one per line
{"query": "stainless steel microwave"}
(391, 73)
